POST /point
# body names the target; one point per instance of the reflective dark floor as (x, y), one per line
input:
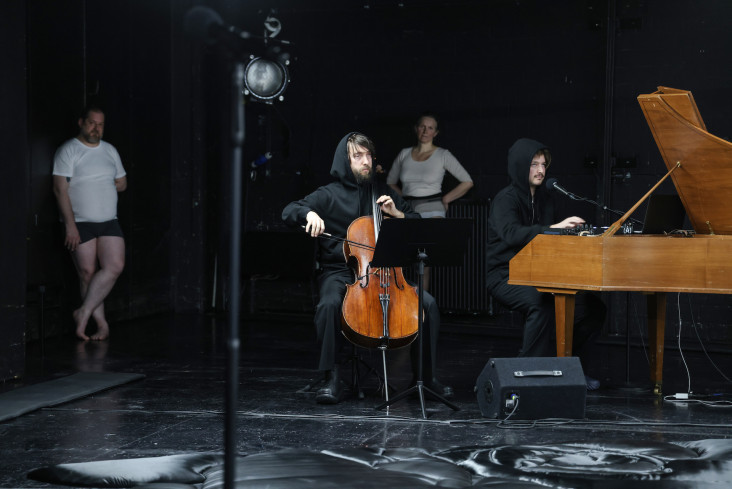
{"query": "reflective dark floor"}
(179, 406)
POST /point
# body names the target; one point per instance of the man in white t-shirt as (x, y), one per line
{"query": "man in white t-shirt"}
(87, 175)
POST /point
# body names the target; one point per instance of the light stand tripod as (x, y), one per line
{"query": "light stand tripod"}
(404, 241)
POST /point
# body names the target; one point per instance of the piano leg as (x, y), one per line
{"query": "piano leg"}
(656, 306)
(564, 318)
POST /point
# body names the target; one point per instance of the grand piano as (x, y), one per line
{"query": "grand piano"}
(694, 262)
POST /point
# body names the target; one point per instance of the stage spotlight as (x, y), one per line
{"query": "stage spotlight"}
(265, 80)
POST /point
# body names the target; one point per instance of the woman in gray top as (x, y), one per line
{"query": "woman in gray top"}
(421, 169)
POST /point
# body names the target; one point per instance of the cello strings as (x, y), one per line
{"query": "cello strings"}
(384, 275)
(377, 213)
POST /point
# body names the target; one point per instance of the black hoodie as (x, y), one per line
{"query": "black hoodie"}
(339, 203)
(514, 218)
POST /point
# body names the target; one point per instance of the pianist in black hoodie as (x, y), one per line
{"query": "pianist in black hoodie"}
(518, 213)
(331, 209)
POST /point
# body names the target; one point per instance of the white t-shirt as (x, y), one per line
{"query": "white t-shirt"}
(423, 178)
(92, 172)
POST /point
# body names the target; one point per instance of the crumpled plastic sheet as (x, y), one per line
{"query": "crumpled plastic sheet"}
(628, 464)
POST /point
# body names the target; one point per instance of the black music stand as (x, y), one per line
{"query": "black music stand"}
(424, 241)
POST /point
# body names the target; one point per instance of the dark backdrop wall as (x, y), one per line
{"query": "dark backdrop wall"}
(565, 72)
(116, 55)
(492, 71)
(681, 45)
(13, 192)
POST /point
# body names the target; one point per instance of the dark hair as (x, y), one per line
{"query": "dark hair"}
(89, 108)
(547, 155)
(359, 139)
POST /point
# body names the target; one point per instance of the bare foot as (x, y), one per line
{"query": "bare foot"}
(102, 333)
(80, 326)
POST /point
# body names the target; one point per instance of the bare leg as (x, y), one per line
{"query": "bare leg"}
(109, 251)
(85, 260)
(98, 313)
(102, 325)
(84, 279)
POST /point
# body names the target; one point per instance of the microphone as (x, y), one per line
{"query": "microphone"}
(206, 25)
(552, 185)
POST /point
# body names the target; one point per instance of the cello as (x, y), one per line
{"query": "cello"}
(380, 308)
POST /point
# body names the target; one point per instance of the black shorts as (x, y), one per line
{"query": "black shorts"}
(91, 230)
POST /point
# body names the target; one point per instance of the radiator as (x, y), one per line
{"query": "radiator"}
(462, 289)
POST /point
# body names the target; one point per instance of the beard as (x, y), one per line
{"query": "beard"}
(91, 138)
(363, 178)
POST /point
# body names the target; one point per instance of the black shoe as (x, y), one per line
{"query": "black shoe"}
(331, 392)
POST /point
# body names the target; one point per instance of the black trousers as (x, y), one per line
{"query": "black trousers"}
(539, 338)
(332, 288)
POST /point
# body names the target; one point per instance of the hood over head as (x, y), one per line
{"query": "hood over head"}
(341, 167)
(519, 161)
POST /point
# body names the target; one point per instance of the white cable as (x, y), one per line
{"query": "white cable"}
(677, 400)
(515, 407)
(688, 374)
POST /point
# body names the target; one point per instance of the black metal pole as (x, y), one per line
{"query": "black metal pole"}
(627, 338)
(419, 386)
(232, 342)
(607, 139)
(420, 329)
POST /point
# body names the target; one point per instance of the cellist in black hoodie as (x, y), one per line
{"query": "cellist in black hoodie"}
(332, 208)
(518, 213)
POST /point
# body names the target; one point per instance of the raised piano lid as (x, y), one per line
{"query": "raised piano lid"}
(704, 179)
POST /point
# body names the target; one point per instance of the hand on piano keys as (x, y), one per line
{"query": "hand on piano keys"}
(570, 222)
